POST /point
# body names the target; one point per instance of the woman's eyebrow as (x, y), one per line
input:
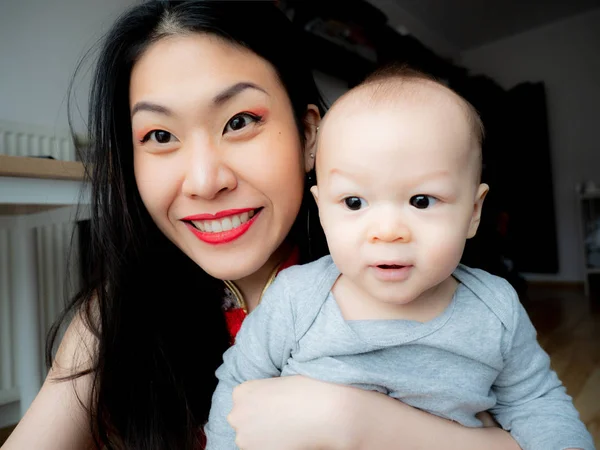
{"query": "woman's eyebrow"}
(221, 98)
(152, 107)
(232, 91)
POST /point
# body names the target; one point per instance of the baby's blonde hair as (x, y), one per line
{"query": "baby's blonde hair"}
(389, 76)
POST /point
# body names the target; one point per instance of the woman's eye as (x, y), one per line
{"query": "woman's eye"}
(423, 201)
(355, 203)
(240, 121)
(159, 136)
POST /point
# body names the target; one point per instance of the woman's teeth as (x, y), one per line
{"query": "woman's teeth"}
(224, 224)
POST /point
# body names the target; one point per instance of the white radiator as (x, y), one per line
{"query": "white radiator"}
(52, 244)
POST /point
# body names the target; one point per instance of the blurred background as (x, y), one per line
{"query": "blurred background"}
(532, 70)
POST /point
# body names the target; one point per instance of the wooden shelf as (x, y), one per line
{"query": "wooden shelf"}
(30, 186)
(20, 166)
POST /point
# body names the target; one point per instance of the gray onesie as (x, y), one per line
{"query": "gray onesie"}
(480, 354)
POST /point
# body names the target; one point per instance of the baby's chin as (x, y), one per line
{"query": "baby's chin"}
(395, 298)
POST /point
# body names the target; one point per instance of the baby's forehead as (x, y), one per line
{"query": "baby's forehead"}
(397, 93)
(362, 109)
(391, 93)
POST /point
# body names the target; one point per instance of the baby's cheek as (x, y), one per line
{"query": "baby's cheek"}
(445, 252)
(343, 243)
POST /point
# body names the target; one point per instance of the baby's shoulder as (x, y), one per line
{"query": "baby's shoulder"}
(316, 271)
(495, 292)
(309, 284)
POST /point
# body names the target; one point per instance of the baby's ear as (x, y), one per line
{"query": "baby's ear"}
(312, 118)
(476, 217)
(315, 192)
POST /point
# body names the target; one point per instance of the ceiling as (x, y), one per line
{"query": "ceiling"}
(466, 24)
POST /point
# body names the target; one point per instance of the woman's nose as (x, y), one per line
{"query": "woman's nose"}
(207, 174)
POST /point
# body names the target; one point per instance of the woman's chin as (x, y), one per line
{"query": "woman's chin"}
(230, 268)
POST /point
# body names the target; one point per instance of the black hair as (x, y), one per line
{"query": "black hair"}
(156, 315)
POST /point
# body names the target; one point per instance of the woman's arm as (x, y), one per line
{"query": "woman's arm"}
(382, 422)
(56, 420)
(298, 413)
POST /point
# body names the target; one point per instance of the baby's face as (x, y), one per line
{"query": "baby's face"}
(398, 192)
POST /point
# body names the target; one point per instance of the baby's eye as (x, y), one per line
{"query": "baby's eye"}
(423, 201)
(240, 121)
(159, 136)
(355, 203)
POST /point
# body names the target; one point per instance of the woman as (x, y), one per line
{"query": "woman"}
(203, 127)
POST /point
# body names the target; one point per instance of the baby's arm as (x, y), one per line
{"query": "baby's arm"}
(532, 403)
(263, 345)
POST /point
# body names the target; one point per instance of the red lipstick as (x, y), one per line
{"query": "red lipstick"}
(221, 237)
(218, 215)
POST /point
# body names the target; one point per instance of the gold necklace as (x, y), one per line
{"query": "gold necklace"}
(241, 303)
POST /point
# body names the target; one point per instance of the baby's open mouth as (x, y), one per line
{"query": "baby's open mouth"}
(390, 266)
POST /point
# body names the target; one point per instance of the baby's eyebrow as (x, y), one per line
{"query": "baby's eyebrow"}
(443, 173)
(344, 173)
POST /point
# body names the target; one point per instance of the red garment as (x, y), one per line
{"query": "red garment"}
(235, 316)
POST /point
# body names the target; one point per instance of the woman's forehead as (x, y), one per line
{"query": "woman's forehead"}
(205, 61)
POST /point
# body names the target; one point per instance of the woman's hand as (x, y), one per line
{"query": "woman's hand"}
(291, 413)
(487, 419)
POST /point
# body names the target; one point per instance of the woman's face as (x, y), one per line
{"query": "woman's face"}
(217, 156)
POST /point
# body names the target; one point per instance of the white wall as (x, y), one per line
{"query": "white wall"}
(40, 44)
(566, 56)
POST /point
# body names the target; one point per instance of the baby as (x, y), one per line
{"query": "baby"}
(392, 309)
